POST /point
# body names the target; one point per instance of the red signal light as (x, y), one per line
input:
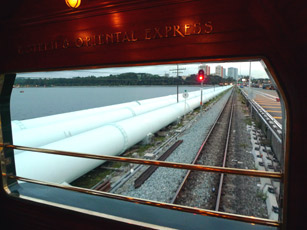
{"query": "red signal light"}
(201, 75)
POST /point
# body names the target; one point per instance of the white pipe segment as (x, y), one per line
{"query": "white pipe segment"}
(110, 139)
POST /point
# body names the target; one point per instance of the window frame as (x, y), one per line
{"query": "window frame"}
(8, 169)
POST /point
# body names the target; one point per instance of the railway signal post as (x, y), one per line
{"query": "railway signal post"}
(201, 78)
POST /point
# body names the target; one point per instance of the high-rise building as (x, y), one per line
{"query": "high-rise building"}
(233, 72)
(224, 73)
(219, 71)
(206, 69)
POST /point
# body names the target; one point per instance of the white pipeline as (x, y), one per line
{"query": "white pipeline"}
(57, 127)
(110, 139)
(18, 125)
(54, 131)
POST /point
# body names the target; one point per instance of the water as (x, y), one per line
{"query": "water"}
(29, 103)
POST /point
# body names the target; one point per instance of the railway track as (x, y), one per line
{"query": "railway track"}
(140, 179)
(204, 190)
(168, 179)
(147, 173)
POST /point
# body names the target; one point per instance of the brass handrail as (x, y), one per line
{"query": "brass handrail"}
(204, 212)
(216, 169)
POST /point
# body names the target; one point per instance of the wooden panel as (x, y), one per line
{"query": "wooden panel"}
(181, 31)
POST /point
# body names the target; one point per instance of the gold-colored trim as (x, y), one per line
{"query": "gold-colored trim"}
(216, 169)
(204, 212)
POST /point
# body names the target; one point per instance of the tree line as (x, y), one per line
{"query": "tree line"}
(117, 80)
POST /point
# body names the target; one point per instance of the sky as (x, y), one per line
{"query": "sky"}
(257, 70)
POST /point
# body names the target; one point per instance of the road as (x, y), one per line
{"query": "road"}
(267, 99)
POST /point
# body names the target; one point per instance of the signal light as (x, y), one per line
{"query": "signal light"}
(201, 75)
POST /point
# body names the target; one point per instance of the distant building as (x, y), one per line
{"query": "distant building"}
(219, 70)
(206, 69)
(224, 73)
(233, 72)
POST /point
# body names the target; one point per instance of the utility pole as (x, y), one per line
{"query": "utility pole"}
(177, 71)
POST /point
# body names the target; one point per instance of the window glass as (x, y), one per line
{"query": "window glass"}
(168, 113)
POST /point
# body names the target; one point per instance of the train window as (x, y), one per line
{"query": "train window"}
(192, 141)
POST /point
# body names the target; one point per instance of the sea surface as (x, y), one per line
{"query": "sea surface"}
(29, 103)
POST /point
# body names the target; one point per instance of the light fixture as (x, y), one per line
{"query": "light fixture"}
(73, 3)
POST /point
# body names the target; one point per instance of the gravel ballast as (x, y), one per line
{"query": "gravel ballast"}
(163, 183)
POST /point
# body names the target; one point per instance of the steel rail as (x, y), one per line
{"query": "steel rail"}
(218, 200)
(198, 154)
(216, 169)
(204, 212)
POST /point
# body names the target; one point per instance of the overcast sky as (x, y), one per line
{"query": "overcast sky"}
(257, 70)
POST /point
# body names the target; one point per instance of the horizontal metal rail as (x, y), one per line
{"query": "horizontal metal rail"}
(216, 169)
(204, 212)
